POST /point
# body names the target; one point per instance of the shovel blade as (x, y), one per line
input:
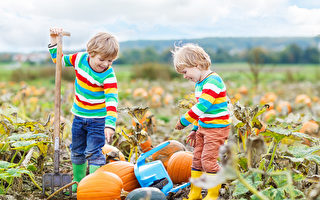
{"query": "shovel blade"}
(52, 180)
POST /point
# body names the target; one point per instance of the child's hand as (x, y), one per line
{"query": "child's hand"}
(179, 126)
(192, 138)
(54, 32)
(109, 133)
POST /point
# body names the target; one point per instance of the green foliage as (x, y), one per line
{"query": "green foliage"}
(35, 73)
(17, 138)
(153, 71)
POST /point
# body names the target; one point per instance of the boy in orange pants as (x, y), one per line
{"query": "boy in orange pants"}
(210, 116)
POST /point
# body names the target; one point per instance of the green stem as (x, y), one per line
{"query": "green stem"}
(14, 156)
(273, 154)
(252, 189)
(36, 184)
(22, 158)
(130, 154)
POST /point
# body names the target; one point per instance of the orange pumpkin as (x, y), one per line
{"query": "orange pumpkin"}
(303, 99)
(166, 152)
(284, 107)
(310, 127)
(146, 145)
(168, 99)
(112, 153)
(243, 90)
(140, 92)
(156, 90)
(100, 185)
(268, 97)
(269, 115)
(263, 128)
(125, 171)
(179, 166)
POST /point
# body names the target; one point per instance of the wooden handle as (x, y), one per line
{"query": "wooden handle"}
(57, 102)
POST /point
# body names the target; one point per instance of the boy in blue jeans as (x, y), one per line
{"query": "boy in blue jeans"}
(210, 116)
(95, 102)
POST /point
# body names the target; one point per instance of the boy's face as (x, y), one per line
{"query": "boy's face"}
(193, 74)
(100, 64)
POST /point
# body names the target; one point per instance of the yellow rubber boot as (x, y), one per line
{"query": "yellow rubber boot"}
(195, 192)
(213, 193)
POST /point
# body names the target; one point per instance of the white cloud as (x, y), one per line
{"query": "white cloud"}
(24, 24)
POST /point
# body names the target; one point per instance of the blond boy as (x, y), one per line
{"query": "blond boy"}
(95, 102)
(210, 116)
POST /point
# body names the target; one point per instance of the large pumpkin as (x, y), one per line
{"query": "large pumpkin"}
(125, 171)
(100, 185)
(166, 152)
(179, 166)
(112, 153)
(146, 193)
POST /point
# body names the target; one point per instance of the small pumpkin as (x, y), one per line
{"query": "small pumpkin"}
(270, 115)
(303, 99)
(146, 193)
(179, 166)
(112, 153)
(125, 171)
(146, 145)
(310, 127)
(100, 185)
(284, 107)
(166, 152)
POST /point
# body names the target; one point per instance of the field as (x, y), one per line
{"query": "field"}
(273, 151)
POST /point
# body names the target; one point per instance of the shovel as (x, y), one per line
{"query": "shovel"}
(56, 179)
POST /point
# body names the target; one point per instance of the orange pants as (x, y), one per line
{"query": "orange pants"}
(206, 151)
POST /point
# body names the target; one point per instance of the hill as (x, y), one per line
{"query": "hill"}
(228, 43)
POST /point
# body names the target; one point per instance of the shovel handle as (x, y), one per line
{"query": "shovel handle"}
(57, 102)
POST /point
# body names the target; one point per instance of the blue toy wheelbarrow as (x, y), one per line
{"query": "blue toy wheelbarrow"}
(154, 174)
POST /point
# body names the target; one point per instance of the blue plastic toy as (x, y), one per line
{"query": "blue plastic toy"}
(154, 174)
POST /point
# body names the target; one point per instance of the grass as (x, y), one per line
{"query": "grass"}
(236, 72)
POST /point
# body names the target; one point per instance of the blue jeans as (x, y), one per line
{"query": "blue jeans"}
(87, 140)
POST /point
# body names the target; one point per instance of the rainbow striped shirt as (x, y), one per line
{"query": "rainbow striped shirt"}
(96, 94)
(211, 110)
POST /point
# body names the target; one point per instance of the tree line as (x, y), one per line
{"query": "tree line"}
(291, 54)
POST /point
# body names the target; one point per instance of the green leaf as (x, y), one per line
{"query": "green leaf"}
(32, 167)
(280, 180)
(24, 145)
(253, 179)
(243, 162)
(279, 133)
(27, 136)
(6, 165)
(302, 151)
(14, 172)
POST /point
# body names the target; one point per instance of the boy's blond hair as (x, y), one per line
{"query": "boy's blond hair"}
(104, 44)
(190, 55)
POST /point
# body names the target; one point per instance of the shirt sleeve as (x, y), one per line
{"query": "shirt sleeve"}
(208, 96)
(67, 60)
(111, 95)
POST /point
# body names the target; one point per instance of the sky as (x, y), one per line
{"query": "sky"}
(24, 24)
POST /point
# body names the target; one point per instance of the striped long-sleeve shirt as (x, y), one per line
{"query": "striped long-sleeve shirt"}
(96, 94)
(211, 109)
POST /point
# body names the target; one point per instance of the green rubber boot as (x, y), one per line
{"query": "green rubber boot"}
(79, 172)
(93, 168)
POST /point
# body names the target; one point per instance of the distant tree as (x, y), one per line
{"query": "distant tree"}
(222, 55)
(292, 54)
(166, 56)
(311, 55)
(256, 60)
